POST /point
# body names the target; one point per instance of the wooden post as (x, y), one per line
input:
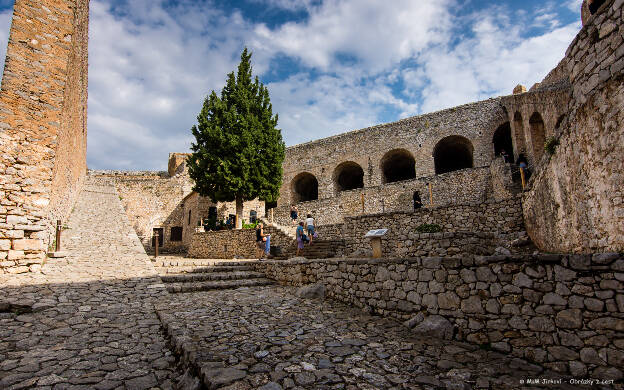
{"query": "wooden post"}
(271, 216)
(430, 195)
(522, 177)
(376, 244)
(362, 203)
(156, 243)
(58, 235)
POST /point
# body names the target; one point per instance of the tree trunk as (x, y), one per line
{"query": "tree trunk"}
(239, 212)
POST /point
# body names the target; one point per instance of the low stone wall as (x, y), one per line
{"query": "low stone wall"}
(223, 244)
(402, 239)
(565, 312)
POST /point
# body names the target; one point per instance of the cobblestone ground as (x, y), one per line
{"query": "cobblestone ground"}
(267, 338)
(93, 323)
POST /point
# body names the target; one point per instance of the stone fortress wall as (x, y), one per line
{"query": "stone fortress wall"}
(575, 203)
(449, 156)
(165, 200)
(43, 126)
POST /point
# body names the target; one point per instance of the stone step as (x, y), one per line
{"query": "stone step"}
(211, 276)
(197, 262)
(208, 269)
(217, 285)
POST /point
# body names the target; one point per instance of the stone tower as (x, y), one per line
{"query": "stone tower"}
(43, 126)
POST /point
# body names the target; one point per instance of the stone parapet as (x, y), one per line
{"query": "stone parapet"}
(565, 312)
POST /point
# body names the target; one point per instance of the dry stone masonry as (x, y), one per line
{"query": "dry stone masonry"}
(564, 312)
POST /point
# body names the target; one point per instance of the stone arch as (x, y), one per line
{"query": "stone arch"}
(518, 134)
(538, 135)
(304, 187)
(502, 140)
(347, 176)
(398, 165)
(452, 153)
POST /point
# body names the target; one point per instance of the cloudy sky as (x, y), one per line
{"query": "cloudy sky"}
(330, 65)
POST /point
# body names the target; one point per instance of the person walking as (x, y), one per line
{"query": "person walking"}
(263, 242)
(299, 234)
(310, 227)
(293, 213)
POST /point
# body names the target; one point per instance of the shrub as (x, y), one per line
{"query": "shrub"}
(429, 228)
(551, 145)
(250, 225)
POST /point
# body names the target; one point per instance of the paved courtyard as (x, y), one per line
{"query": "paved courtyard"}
(102, 319)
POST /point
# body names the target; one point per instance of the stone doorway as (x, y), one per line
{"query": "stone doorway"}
(160, 232)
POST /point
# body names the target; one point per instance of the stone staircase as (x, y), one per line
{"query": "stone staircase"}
(189, 275)
(320, 249)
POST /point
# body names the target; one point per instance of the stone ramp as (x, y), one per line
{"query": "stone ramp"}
(88, 321)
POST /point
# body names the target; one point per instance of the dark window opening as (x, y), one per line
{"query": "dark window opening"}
(161, 237)
(594, 5)
(304, 188)
(559, 121)
(538, 135)
(176, 233)
(398, 165)
(417, 202)
(268, 206)
(502, 140)
(452, 153)
(253, 216)
(348, 176)
(189, 218)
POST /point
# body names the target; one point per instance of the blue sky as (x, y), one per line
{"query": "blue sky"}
(330, 66)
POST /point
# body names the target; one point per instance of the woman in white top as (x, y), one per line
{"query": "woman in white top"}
(310, 224)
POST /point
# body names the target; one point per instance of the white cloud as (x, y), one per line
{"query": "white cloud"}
(491, 63)
(371, 35)
(574, 5)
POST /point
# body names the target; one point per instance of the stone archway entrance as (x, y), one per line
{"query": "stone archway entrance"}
(452, 153)
(304, 188)
(348, 176)
(398, 165)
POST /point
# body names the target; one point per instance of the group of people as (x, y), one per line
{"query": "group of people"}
(300, 233)
(263, 240)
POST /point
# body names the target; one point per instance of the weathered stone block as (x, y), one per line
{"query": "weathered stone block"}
(28, 245)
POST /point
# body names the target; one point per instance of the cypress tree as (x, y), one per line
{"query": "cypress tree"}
(239, 151)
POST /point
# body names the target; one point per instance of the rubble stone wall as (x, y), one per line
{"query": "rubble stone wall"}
(463, 186)
(499, 219)
(575, 203)
(157, 200)
(223, 244)
(43, 108)
(152, 200)
(565, 312)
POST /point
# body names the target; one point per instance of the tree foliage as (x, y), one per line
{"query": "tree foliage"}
(238, 151)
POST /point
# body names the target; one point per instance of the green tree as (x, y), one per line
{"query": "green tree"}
(238, 151)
